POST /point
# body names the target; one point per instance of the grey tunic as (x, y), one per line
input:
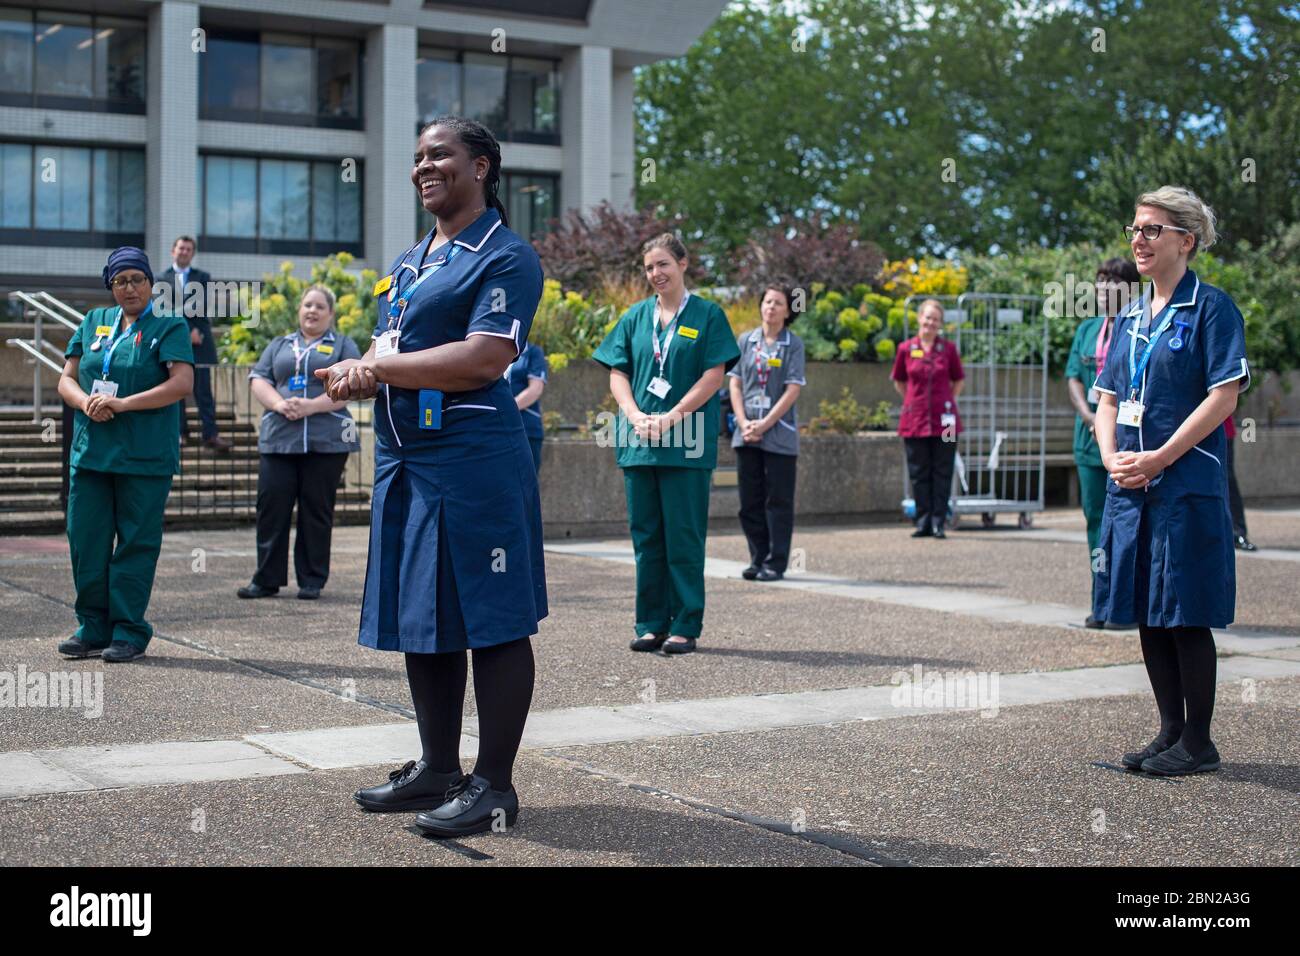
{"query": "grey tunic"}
(324, 433)
(787, 354)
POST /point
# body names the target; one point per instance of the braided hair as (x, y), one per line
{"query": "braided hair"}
(479, 140)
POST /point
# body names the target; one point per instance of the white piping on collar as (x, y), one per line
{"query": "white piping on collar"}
(458, 242)
(757, 337)
(1195, 289)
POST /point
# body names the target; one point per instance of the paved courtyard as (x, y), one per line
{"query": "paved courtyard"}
(808, 730)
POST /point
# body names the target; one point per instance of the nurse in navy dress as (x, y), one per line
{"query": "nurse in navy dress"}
(527, 378)
(1176, 365)
(455, 531)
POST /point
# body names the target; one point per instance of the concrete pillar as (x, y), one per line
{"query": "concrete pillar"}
(391, 113)
(587, 78)
(171, 156)
(623, 169)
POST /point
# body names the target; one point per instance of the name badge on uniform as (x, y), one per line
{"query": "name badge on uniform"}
(659, 387)
(325, 349)
(430, 408)
(1130, 413)
(297, 381)
(948, 420)
(103, 386)
(774, 362)
(382, 285)
(763, 402)
(1094, 396)
(386, 343)
(686, 333)
(918, 353)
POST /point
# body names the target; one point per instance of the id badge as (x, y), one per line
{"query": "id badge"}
(297, 381)
(659, 387)
(763, 403)
(1094, 396)
(948, 421)
(430, 408)
(1130, 413)
(386, 343)
(103, 386)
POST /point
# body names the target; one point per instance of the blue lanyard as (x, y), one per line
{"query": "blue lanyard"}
(116, 339)
(1141, 366)
(397, 307)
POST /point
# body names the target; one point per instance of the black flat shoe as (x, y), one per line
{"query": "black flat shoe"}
(1093, 624)
(939, 532)
(651, 642)
(73, 647)
(922, 533)
(257, 591)
(1244, 544)
(678, 647)
(411, 787)
(1133, 761)
(767, 574)
(750, 572)
(1177, 762)
(308, 593)
(119, 652)
(473, 807)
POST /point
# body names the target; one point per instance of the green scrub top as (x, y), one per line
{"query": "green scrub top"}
(701, 339)
(132, 443)
(1082, 365)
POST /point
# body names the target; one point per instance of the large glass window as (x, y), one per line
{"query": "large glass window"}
(281, 78)
(518, 98)
(532, 200)
(71, 61)
(280, 206)
(71, 195)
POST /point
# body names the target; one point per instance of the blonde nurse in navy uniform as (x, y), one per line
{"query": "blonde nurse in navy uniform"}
(455, 529)
(1173, 373)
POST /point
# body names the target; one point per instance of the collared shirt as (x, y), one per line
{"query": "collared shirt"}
(701, 339)
(1082, 366)
(491, 285)
(1211, 338)
(133, 443)
(531, 364)
(928, 396)
(784, 365)
(325, 432)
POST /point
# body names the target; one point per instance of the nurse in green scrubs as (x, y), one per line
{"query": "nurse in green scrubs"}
(126, 369)
(666, 358)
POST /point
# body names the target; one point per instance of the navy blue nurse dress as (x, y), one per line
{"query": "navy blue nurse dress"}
(1168, 551)
(455, 529)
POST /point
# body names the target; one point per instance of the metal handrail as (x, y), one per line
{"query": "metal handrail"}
(39, 300)
(27, 347)
(43, 306)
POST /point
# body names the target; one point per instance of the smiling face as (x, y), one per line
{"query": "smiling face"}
(930, 320)
(131, 290)
(1162, 256)
(182, 253)
(314, 314)
(444, 174)
(665, 274)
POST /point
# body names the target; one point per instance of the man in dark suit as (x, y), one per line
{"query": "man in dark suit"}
(189, 298)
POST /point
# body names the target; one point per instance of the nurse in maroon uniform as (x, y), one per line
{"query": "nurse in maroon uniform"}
(928, 375)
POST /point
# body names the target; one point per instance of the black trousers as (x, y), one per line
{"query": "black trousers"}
(767, 505)
(1234, 496)
(929, 466)
(312, 482)
(206, 404)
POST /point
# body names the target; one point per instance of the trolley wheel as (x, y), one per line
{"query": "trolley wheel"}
(1026, 520)
(988, 519)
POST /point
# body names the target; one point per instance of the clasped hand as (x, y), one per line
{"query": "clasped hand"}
(653, 426)
(752, 430)
(1135, 469)
(101, 408)
(349, 380)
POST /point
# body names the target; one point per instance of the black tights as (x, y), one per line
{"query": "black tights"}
(1181, 665)
(503, 690)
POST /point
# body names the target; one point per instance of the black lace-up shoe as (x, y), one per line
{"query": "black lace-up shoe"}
(73, 647)
(411, 787)
(1177, 762)
(119, 652)
(473, 807)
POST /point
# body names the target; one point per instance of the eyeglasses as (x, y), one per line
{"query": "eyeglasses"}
(1151, 232)
(121, 282)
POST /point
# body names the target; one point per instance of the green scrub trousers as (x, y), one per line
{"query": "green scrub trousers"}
(114, 583)
(1092, 496)
(668, 514)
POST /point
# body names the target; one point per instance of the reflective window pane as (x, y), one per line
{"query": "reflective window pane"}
(437, 80)
(119, 190)
(230, 74)
(284, 200)
(62, 188)
(532, 95)
(15, 186)
(230, 197)
(16, 50)
(64, 55)
(485, 89)
(119, 59)
(287, 75)
(324, 209)
(336, 77)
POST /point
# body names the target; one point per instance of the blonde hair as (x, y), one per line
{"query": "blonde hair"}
(1188, 211)
(323, 290)
(934, 302)
(665, 240)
